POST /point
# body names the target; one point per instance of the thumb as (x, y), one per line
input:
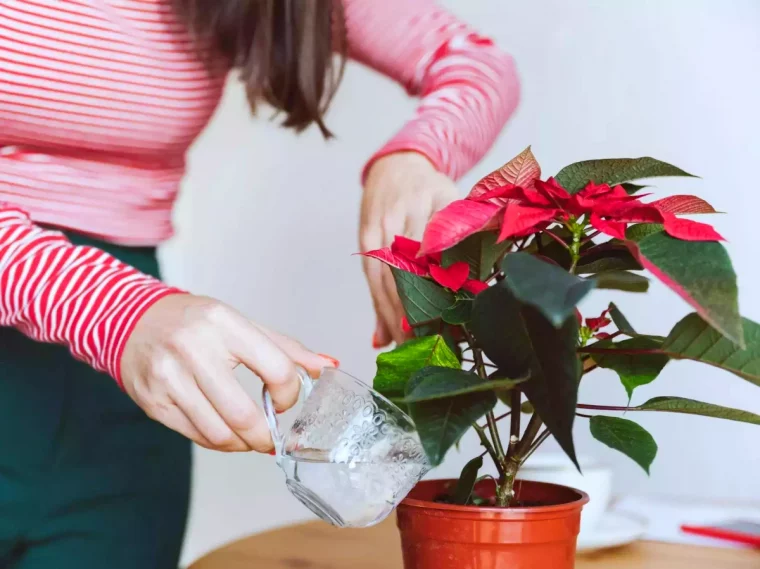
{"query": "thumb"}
(382, 336)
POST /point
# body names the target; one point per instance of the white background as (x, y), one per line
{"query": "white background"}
(267, 220)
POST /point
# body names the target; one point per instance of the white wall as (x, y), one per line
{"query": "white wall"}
(267, 221)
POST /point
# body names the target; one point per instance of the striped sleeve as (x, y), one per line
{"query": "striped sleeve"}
(81, 297)
(468, 87)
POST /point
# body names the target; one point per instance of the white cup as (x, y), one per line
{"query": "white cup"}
(596, 481)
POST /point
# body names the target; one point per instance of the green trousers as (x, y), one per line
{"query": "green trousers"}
(87, 480)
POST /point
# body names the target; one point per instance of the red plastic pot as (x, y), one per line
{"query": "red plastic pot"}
(443, 536)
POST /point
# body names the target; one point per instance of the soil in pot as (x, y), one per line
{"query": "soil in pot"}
(437, 535)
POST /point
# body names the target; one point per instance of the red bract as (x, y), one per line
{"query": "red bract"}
(456, 222)
(475, 287)
(520, 220)
(596, 324)
(609, 210)
(523, 170)
(689, 230)
(452, 277)
(483, 207)
(683, 205)
(396, 258)
(404, 254)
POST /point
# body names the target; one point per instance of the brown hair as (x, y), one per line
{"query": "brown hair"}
(284, 50)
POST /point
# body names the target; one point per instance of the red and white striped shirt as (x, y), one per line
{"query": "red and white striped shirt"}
(99, 102)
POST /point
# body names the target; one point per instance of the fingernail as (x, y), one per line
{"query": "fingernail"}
(376, 341)
(278, 412)
(332, 360)
(272, 453)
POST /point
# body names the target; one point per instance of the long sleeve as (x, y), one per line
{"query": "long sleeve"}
(56, 292)
(468, 86)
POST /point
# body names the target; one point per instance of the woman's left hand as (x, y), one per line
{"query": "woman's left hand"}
(402, 191)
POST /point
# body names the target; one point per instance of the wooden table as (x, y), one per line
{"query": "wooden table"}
(317, 545)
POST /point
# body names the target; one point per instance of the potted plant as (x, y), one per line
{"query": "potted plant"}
(490, 298)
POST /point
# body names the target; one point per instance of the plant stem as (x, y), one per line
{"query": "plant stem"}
(517, 447)
(584, 416)
(575, 246)
(494, 447)
(537, 443)
(473, 361)
(497, 419)
(504, 416)
(489, 448)
(604, 407)
(514, 424)
(505, 492)
(476, 353)
(590, 236)
(557, 238)
(491, 420)
(621, 352)
(534, 425)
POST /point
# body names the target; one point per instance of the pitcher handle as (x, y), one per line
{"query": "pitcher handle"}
(307, 384)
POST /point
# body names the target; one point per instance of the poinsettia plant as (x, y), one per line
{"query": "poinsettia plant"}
(490, 296)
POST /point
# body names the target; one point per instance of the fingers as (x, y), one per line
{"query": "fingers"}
(385, 309)
(171, 397)
(313, 363)
(170, 415)
(394, 304)
(382, 336)
(175, 419)
(256, 351)
(187, 395)
(238, 411)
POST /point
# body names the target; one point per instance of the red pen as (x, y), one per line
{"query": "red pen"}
(737, 531)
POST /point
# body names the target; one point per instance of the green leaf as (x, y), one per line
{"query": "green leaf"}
(423, 299)
(442, 422)
(467, 251)
(627, 437)
(547, 287)
(692, 407)
(614, 171)
(522, 342)
(480, 251)
(701, 273)
(632, 188)
(621, 321)
(552, 249)
(694, 339)
(490, 253)
(634, 369)
(467, 480)
(461, 312)
(432, 383)
(622, 280)
(607, 257)
(640, 230)
(395, 368)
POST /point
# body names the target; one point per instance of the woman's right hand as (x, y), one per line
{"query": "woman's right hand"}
(178, 367)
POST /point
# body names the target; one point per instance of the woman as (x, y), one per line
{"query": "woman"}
(99, 100)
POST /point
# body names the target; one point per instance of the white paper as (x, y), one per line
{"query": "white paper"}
(665, 518)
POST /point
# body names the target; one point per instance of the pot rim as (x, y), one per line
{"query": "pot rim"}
(492, 511)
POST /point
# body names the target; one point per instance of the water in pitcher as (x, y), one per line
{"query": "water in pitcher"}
(347, 494)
